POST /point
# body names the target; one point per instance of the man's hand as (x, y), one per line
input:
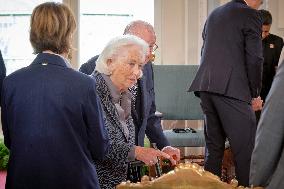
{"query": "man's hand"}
(173, 152)
(149, 155)
(256, 104)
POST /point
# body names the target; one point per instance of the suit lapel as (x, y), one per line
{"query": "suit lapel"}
(143, 96)
(106, 100)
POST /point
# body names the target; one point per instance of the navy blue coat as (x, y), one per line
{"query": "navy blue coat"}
(149, 123)
(53, 126)
(2, 72)
(231, 61)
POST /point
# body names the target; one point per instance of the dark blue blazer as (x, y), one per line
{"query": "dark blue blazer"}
(150, 124)
(53, 126)
(2, 72)
(231, 61)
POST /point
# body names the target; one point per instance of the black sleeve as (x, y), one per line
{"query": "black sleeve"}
(2, 72)
(4, 117)
(253, 51)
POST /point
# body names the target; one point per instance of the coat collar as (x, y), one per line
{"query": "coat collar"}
(240, 1)
(142, 83)
(47, 58)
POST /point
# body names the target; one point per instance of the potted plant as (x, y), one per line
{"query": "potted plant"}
(4, 158)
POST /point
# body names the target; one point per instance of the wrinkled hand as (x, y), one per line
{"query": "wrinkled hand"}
(149, 155)
(256, 104)
(174, 154)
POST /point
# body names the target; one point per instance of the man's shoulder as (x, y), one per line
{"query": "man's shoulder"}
(148, 70)
(275, 38)
(148, 66)
(93, 60)
(89, 66)
(233, 11)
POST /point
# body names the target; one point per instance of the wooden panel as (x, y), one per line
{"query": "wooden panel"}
(280, 14)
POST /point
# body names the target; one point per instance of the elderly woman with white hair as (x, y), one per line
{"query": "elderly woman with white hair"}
(118, 67)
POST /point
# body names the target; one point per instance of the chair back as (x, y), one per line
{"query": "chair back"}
(172, 98)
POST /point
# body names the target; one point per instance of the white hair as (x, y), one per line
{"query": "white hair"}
(114, 47)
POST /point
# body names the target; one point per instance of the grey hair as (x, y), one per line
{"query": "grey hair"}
(135, 26)
(115, 46)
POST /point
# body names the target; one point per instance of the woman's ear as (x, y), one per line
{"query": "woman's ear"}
(109, 62)
(110, 65)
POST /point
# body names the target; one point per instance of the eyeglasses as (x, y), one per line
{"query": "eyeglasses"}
(154, 47)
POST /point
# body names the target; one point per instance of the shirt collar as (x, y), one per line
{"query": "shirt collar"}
(47, 58)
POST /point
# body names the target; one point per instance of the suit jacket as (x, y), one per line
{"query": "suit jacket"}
(2, 72)
(146, 122)
(53, 126)
(268, 155)
(89, 66)
(113, 169)
(231, 61)
(272, 47)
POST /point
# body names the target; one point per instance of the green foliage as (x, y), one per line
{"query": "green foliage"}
(147, 142)
(4, 156)
(144, 170)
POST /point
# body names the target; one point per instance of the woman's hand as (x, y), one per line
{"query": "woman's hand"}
(174, 154)
(149, 155)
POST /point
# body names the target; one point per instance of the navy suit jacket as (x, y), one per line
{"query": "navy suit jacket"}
(53, 126)
(2, 72)
(231, 61)
(150, 124)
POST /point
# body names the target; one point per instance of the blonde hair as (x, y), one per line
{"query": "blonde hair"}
(51, 28)
(114, 48)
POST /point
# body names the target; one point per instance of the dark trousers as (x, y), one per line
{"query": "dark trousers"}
(257, 115)
(233, 119)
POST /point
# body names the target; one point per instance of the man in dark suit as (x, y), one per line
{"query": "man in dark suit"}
(144, 107)
(2, 71)
(272, 46)
(228, 81)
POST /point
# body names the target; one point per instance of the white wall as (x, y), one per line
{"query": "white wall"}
(179, 26)
(276, 7)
